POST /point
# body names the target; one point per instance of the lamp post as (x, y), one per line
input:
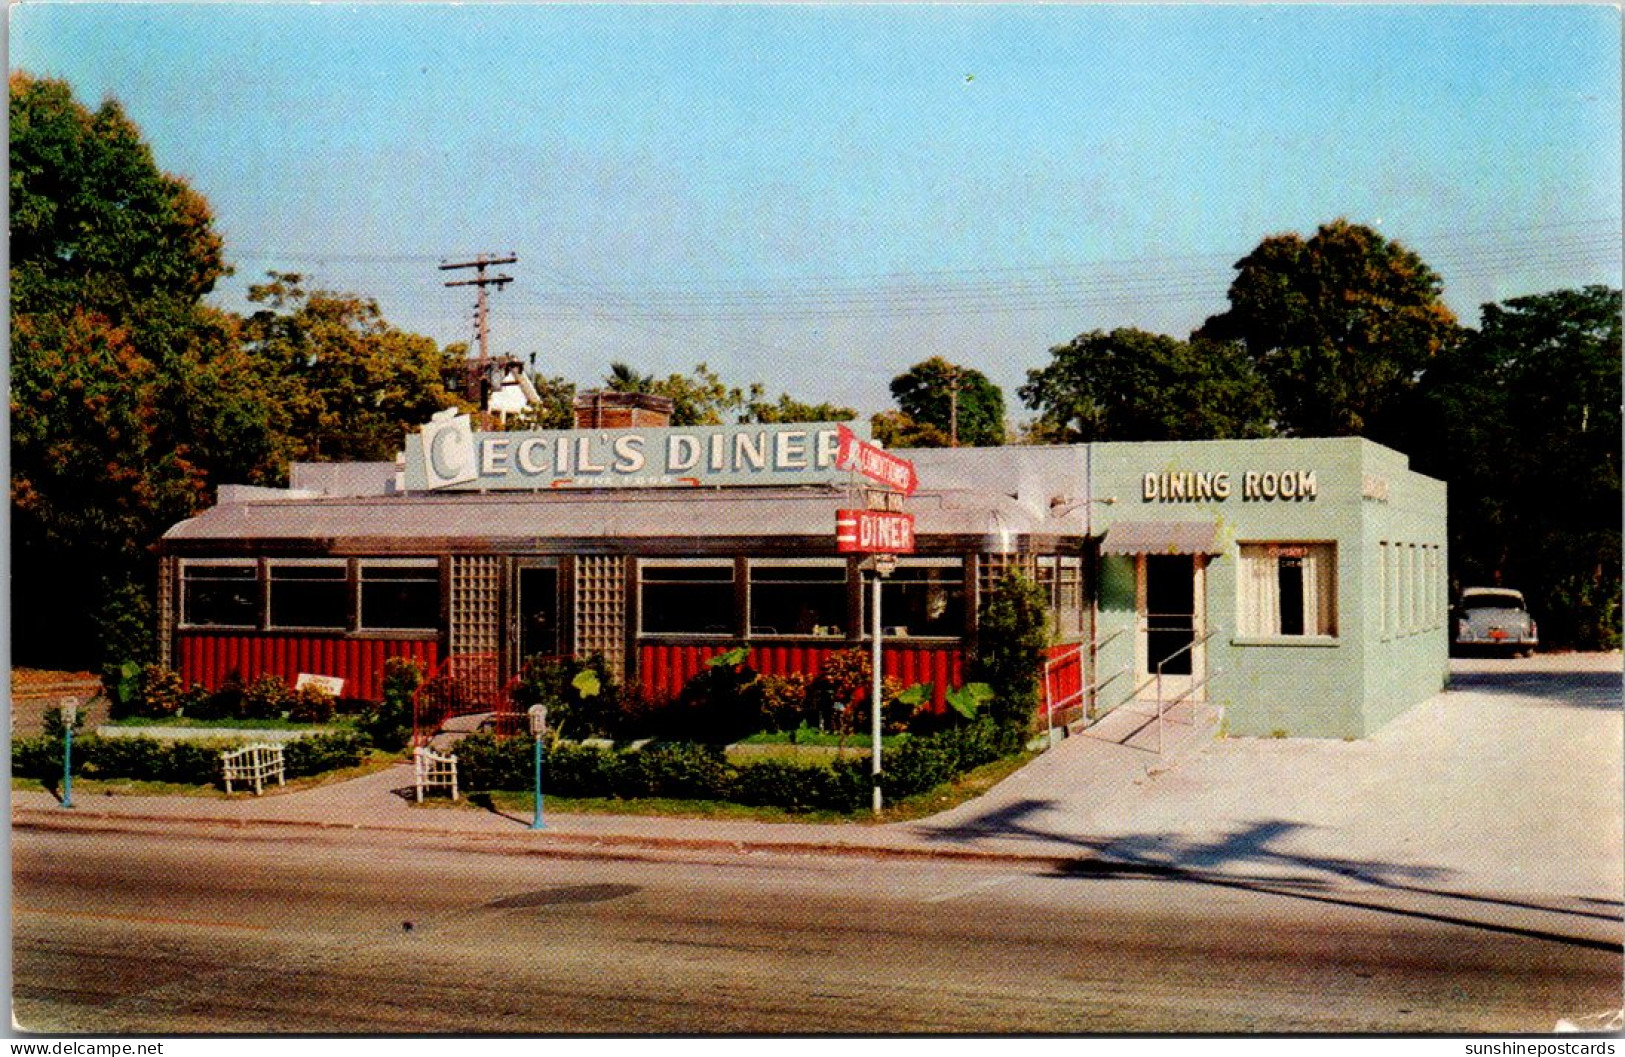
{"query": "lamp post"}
(538, 727)
(69, 708)
(883, 566)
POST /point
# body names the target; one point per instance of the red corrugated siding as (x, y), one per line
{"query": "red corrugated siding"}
(663, 668)
(209, 658)
(1065, 678)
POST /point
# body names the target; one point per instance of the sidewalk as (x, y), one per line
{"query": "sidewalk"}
(1088, 767)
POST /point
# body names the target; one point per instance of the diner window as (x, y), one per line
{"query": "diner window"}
(220, 594)
(314, 594)
(789, 597)
(693, 597)
(1060, 577)
(1287, 590)
(924, 597)
(400, 593)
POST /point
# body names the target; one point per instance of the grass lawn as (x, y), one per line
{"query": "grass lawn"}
(372, 762)
(807, 737)
(945, 796)
(339, 723)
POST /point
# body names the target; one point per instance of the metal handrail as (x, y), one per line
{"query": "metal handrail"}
(1162, 705)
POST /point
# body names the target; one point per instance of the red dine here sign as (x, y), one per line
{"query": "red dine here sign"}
(877, 464)
(874, 532)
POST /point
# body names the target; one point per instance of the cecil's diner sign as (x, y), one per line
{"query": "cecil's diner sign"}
(447, 455)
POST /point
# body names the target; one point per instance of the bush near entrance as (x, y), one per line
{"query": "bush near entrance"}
(692, 771)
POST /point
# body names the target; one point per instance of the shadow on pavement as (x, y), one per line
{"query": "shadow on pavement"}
(1175, 858)
(1600, 690)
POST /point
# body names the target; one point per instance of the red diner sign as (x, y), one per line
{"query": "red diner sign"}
(874, 532)
(873, 462)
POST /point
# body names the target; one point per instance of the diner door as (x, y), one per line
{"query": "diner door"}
(538, 610)
(1172, 594)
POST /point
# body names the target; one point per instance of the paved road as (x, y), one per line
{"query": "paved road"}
(371, 935)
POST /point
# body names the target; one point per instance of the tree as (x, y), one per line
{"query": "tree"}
(128, 395)
(351, 384)
(958, 401)
(1131, 385)
(893, 429)
(1523, 421)
(788, 409)
(704, 399)
(1012, 634)
(94, 222)
(1339, 326)
(556, 409)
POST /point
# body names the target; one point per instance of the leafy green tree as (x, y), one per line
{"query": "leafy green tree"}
(625, 379)
(788, 409)
(894, 429)
(351, 384)
(1012, 634)
(1340, 326)
(958, 401)
(1523, 421)
(1130, 385)
(129, 397)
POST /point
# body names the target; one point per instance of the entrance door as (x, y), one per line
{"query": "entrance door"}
(1171, 604)
(538, 612)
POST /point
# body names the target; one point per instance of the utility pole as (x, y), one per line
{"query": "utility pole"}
(953, 406)
(481, 281)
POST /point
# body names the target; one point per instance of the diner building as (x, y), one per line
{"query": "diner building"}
(1300, 584)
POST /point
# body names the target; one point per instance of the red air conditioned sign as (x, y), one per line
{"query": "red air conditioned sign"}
(874, 532)
(877, 464)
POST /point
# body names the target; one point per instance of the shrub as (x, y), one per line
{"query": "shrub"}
(781, 701)
(922, 763)
(842, 679)
(122, 685)
(160, 692)
(684, 770)
(485, 761)
(583, 770)
(580, 695)
(265, 698)
(38, 757)
(720, 705)
(388, 725)
(311, 704)
(802, 787)
(1012, 635)
(224, 703)
(323, 752)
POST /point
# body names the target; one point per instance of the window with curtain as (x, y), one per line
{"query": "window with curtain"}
(1286, 590)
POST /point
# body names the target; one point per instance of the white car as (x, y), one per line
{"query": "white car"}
(1495, 618)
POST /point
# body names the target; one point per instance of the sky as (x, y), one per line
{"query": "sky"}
(817, 197)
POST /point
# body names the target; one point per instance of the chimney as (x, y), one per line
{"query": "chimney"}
(611, 410)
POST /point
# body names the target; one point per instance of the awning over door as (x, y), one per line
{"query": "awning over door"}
(1161, 537)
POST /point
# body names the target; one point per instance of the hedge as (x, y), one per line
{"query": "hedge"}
(689, 771)
(183, 762)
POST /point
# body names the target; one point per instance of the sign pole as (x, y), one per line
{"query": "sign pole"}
(70, 715)
(874, 693)
(537, 717)
(536, 820)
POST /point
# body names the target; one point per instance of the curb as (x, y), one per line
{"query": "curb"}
(553, 844)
